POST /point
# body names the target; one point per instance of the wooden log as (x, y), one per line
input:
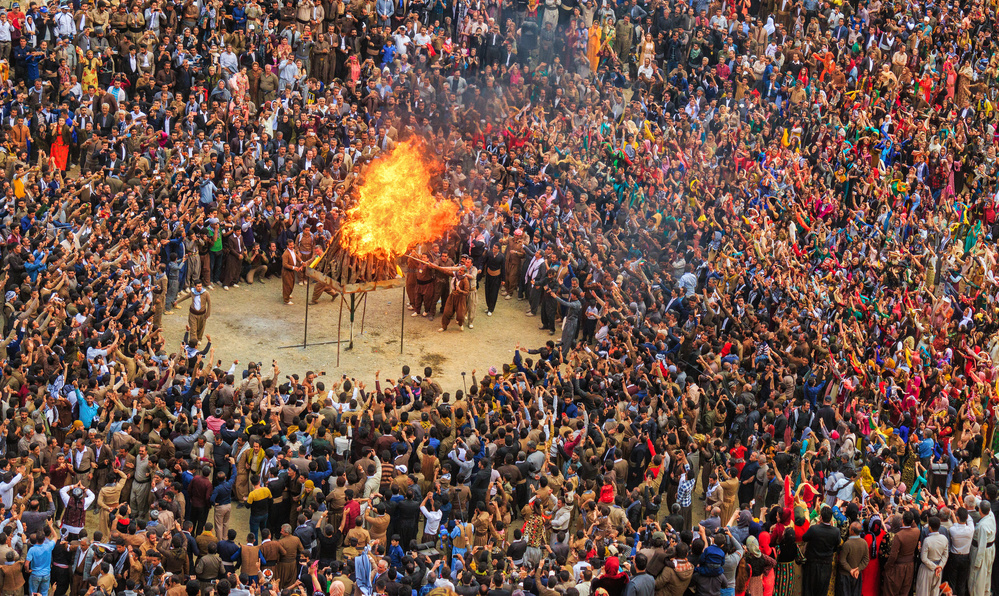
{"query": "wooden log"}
(340, 264)
(336, 259)
(333, 264)
(362, 268)
(344, 267)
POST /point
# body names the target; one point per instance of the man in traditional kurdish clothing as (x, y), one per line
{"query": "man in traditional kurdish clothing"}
(900, 565)
(457, 300)
(983, 552)
(933, 555)
(291, 264)
(201, 309)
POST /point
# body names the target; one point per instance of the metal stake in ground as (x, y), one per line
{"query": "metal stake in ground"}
(364, 311)
(305, 337)
(353, 309)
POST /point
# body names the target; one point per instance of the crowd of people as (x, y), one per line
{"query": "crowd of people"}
(762, 231)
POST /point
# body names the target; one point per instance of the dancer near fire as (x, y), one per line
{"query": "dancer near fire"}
(426, 283)
(457, 300)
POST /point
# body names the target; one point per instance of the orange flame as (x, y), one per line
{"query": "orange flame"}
(395, 209)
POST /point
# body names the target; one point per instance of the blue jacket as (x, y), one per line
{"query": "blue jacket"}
(396, 554)
(222, 495)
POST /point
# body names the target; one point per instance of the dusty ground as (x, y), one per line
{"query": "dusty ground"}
(251, 323)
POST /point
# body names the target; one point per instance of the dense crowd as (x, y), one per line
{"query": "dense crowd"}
(762, 231)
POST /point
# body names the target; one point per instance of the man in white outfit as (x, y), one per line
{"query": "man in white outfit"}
(934, 553)
(983, 552)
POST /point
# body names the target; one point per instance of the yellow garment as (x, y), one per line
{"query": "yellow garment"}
(866, 479)
(593, 46)
(648, 131)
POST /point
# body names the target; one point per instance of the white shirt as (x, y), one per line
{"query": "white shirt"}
(433, 521)
(119, 93)
(400, 43)
(93, 353)
(961, 536)
(7, 491)
(65, 24)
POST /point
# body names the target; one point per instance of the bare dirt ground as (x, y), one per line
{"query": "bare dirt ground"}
(252, 323)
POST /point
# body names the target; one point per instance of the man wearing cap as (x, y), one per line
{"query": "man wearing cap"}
(65, 25)
(77, 500)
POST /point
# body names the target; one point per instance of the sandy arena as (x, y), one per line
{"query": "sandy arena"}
(255, 320)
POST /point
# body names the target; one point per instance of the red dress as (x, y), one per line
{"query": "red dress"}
(871, 575)
(60, 148)
(739, 455)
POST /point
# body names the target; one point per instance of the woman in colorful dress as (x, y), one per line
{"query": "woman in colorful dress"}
(593, 45)
(646, 49)
(61, 136)
(64, 77)
(770, 577)
(871, 576)
(761, 566)
(787, 563)
(89, 65)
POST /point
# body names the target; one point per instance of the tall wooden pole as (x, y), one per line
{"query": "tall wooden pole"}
(339, 325)
(305, 338)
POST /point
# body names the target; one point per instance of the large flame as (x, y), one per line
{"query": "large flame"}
(395, 209)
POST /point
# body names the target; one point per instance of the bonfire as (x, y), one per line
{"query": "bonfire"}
(395, 210)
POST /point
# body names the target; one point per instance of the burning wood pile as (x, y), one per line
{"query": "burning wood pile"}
(395, 210)
(344, 267)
